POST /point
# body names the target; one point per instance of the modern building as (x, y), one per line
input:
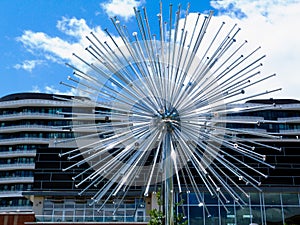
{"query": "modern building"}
(28, 121)
(278, 203)
(33, 128)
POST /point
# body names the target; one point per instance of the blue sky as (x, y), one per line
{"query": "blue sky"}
(37, 37)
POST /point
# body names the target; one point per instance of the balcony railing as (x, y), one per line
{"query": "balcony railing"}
(8, 194)
(10, 180)
(18, 153)
(290, 119)
(28, 115)
(17, 166)
(8, 129)
(113, 219)
(290, 131)
(244, 118)
(29, 140)
(34, 102)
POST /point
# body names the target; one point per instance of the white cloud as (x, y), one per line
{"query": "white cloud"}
(28, 65)
(53, 90)
(273, 24)
(39, 42)
(36, 89)
(50, 89)
(73, 27)
(250, 7)
(59, 50)
(122, 8)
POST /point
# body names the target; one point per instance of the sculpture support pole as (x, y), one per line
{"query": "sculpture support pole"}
(168, 192)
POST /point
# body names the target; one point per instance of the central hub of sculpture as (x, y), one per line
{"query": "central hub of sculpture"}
(169, 119)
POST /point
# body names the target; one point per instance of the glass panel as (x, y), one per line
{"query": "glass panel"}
(69, 216)
(130, 215)
(291, 215)
(273, 215)
(98, 216)
(196, 215)
(272, 199)
(140, 216)
(193, 199)
(119, 216)
(89, 214)
(80, 205)
(58, 216)
(48, 204)
(290, 199)
(229, 217)
(209, 200)
(47, 217)
(108, 216)
(245, 198)
(243, 215)
(212, 216)
(58, 205)
(69, 205)
(256, 212)
(79, 215)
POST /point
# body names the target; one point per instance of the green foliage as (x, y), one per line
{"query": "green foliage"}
(157, 216)
(180, 219)
(159, 198)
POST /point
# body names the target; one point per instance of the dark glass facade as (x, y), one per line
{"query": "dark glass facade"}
(279, 201)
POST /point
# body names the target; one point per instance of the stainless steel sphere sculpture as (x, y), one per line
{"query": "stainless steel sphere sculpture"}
(164, 102)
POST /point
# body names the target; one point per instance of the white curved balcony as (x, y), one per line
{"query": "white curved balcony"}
(30, 115)
(290, 106)
(17, 166)
(34, 102)
(289, 120)
(244, 118)
(9, 194)
(16, 180)
(18, 128)
(29, 140)
(18, 153)
(250, 130)
(290, 132)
